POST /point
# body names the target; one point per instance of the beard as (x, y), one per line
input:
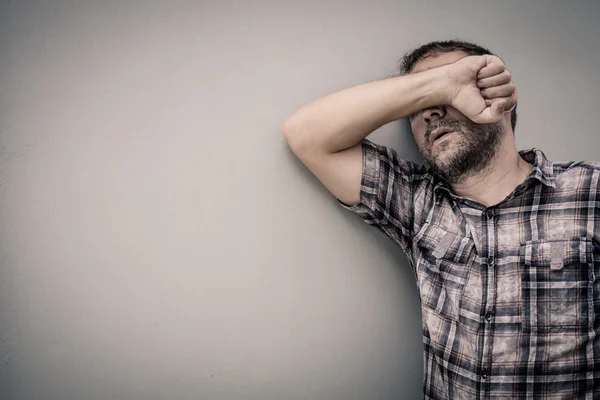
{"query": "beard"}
(468, 153)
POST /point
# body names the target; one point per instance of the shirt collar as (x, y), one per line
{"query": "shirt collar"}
(543, 170)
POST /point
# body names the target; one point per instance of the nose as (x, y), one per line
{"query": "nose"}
(433, 113)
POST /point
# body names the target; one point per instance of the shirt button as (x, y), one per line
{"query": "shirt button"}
(488, 316)
(490, 261)
(490, 213)
(484, 373)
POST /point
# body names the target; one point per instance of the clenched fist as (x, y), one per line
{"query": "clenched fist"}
(480, 87)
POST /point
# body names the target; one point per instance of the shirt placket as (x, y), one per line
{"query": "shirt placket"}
(489, 217)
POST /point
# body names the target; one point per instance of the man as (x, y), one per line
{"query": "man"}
(505, 245)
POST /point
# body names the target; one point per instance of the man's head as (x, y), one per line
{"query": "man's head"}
(476, 144)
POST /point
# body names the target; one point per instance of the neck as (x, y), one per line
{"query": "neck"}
(503, 174)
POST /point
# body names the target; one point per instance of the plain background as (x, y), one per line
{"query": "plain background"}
(158, 240)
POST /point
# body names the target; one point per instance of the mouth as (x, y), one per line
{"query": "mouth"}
(439, 133)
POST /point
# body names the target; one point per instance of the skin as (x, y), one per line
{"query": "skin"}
(468, 93)
(491, 165)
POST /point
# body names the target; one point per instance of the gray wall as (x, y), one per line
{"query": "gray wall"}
(157, 238)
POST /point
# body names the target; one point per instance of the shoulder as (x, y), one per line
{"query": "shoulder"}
(564, 176)
(562, 167)
(587, 171)
(559, 169)
(578, 175)
(386, 160)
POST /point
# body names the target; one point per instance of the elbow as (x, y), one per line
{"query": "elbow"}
(303, 135)
(293, 135)
(286, 129)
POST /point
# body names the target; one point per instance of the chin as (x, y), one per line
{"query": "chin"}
(444, 150)
(443, 155)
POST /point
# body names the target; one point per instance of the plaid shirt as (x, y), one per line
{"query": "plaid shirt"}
(509, 293)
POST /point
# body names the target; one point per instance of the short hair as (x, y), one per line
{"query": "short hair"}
(408, 61)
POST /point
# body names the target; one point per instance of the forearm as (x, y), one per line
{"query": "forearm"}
(342, 119)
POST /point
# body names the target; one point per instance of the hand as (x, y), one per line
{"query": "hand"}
(481, 88)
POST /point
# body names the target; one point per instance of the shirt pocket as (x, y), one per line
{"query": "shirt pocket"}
(557, 282)
(444, 261)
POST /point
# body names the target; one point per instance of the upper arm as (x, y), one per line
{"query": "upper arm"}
(372, 181)
(339, 172)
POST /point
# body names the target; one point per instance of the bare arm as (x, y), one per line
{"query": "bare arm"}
(326, 134)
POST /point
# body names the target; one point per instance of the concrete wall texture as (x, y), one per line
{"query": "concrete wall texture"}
(158, 240)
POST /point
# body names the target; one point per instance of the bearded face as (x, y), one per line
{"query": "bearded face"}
(459, 148)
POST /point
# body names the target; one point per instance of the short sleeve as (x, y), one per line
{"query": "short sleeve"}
(386, 193)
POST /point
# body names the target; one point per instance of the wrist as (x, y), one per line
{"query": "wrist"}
(436, 87)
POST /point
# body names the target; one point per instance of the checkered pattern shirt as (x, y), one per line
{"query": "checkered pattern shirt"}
(510, 294)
